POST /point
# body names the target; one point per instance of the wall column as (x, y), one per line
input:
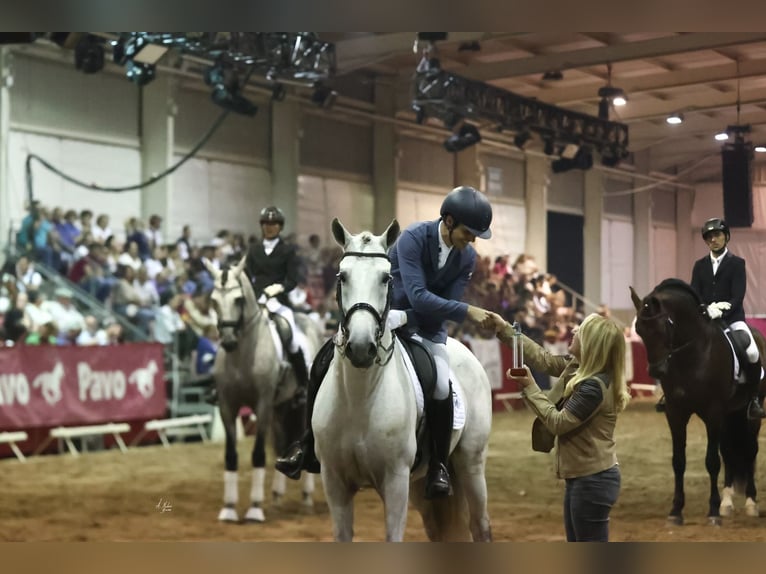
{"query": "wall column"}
(642, 230)
(5, 131)
(594, 211)
(157, 146)
(536, 203)
(384, 155)
(285, 160)
(467, 168)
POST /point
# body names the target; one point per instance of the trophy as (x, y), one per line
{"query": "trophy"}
(518, 370)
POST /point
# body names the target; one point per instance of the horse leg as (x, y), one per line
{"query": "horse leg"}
(713, 466)
(308, 490)
(677, 423)
(475, 489)
(340, 499)
(230, 485)
(751, 453)
(395, 494)
(255, 512)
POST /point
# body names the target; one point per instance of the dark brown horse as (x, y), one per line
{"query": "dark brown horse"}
(693, 361)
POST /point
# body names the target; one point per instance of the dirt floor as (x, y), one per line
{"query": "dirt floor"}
(111, 496)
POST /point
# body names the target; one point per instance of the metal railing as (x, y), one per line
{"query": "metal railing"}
(586, 303)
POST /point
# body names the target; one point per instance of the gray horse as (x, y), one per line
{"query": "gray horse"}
(250, 372)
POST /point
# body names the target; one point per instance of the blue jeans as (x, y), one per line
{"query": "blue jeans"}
(587, 503)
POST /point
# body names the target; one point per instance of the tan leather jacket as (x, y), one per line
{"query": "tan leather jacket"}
(582, 447)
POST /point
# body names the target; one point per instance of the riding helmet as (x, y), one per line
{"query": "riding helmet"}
(470, 208)
(716, 224)
(272, 214)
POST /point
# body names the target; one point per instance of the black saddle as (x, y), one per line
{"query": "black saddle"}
(740, 340)
(424, 364)
(283, 329)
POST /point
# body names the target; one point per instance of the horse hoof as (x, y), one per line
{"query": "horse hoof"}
(751, 509)
(726, 510)
(276, 499)
(714, 521)
(676, 520)
(307, 501)
(228, 515)
(255, 514)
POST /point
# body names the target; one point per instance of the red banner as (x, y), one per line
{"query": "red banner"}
(51, 386)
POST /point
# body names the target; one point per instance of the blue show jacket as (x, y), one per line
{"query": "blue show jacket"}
(429, 295)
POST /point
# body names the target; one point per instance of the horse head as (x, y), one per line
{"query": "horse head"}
(666, 320)
(231, 298)
(363, 291)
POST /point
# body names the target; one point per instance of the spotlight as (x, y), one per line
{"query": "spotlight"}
(233, 101)
(140, 74)
(467, 136)
(420, 113)
(619, 101)
(521, 138)
(278, 93)
(89, 55)
(583, 160)
(721, 137)
(675, 119)
(760, 148)
(553, 76)
(324, 96)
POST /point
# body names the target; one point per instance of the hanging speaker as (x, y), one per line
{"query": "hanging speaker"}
(737, 183)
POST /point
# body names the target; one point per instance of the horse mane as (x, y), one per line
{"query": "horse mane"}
(681, 286)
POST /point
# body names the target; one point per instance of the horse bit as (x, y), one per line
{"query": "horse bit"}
(380, 318)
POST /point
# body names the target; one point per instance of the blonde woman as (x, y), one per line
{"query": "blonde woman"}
(581, 413)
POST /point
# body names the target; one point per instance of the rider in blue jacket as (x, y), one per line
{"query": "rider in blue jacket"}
(431, 264)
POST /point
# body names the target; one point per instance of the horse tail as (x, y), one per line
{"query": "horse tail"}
(444, 519)
(739, 446)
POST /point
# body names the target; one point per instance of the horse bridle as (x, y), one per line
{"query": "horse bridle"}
(670, 332)
(380, 318)
(239, 324)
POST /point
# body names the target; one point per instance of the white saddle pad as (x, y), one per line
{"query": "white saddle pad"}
(739, 376)
(458, 418)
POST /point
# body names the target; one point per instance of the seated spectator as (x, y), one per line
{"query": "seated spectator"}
(65, 315)
(157, 262)
(145, 289)
(139, 237)
(92, 334)
(126, 300)
(130, 257)
(114, 334)
(101, 230)
(92, 274)
(198, 313)
(45, 334)
(168, 322)
(27, 279)
(153, 232)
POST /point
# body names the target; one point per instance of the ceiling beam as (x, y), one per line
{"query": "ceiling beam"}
(663, 81)
(615, 53)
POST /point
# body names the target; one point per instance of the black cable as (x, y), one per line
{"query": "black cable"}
(150, 181)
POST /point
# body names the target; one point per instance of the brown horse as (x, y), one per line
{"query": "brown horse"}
(693, 361)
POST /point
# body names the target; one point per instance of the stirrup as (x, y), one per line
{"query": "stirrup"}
(438, 483)
(755, 410)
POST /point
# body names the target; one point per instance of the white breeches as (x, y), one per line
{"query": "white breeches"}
(441, 358)
(275, 306)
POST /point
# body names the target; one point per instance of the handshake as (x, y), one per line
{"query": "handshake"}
(715, 310)
(487, 319)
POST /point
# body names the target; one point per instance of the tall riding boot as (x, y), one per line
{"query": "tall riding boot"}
(439, 415)
(301, 375)
(301, 456)
(753, 382)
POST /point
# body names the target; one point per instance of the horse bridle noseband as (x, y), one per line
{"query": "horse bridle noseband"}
(670, 331)
(380, 318)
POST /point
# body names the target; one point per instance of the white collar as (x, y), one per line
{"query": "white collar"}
(715, 259)
(271, 243)
(443, 247)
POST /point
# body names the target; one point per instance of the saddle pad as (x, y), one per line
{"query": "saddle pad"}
(739, 376)
(458, 418)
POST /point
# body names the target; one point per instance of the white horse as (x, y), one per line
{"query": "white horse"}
(249, 372)
(366, 413)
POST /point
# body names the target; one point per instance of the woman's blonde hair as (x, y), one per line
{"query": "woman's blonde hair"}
(602, 350)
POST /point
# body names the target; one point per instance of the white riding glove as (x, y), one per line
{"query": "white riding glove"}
(273, 290)
(395, 319)
(715, 310)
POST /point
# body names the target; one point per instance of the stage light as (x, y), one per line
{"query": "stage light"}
(467, 136)
(324, 96)
(89, 55)
(760, 148)
(140, 74)
(721, 137)
(521, 138)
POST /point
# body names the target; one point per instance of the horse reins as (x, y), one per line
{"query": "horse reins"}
(239, 324)
(380, 318)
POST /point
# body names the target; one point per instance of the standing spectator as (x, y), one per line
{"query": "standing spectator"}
(154, 232)
(168, 322)
(86, 221)
(184, 243)
(27, 279)
(592, 392)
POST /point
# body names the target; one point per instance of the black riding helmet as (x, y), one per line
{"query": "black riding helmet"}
(471, 208)
(716, 224)
(272, 214)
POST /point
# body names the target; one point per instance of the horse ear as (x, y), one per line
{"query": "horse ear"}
(391, 233)
(210, 269)
(635, 298)
(339, 232)
(241, 265)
